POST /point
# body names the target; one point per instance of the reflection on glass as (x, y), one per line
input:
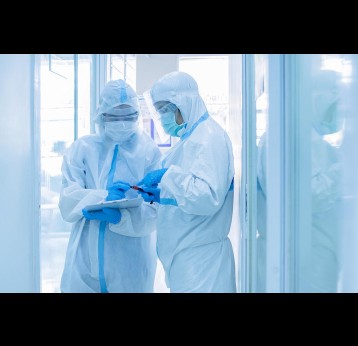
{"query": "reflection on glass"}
(326, 135)
(261, 97)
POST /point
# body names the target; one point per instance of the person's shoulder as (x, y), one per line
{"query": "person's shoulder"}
(85, 140)
(215, 124)
(92, 136)
(89, 138)
(209, 132)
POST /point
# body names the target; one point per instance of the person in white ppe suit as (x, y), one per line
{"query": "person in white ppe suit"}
(325, 189)
(194, 189)
(325, 183)
(110, 250)
(261, 215)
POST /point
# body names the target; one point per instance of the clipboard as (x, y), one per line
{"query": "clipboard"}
(121, 204)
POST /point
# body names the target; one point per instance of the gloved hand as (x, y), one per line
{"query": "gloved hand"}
(153, 178)
(155, 194)
(114, 194)
(106, 214)
(117, 190)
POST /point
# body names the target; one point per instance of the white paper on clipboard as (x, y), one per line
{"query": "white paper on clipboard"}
(121, 204)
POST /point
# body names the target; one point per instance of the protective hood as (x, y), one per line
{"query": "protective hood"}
(182, 90)
(118, 99)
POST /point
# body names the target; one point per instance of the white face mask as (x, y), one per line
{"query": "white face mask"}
(120, 131)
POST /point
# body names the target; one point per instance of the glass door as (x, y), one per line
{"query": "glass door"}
(326, 107)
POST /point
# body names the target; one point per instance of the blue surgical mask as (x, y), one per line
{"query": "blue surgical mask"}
(170, 126)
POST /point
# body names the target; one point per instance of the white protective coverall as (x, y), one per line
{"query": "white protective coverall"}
(195, 213)
(325, 189)
(128, 252)
(325, 184)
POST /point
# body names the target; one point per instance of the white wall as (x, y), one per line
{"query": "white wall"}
(150, 67)
(18, 263)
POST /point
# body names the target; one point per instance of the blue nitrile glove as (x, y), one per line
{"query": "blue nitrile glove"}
(106, 214)
(155, 194)
(121, 185)
(117, 190)
(153, 178)
(114, 194)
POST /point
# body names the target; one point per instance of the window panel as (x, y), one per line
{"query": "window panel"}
(211, 74)
(57, 131)
(122, 66)
(85, 85)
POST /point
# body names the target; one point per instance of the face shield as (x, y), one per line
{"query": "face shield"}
(118, 102)
(121, 113)
(155, 111)
(180, 90)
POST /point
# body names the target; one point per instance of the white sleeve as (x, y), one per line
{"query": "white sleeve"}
(74, 196)
(136, 222)
(200, 187)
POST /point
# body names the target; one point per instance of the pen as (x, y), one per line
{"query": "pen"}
(135, 187)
